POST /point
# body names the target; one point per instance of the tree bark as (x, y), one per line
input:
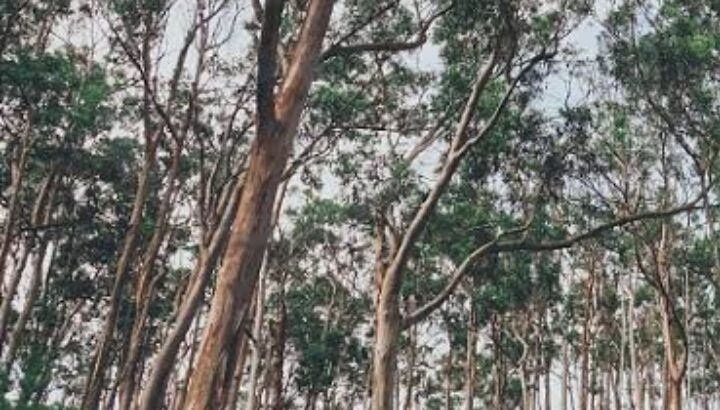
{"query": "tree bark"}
(164, 361)
(42, 214)
(36, 218)
(258, 341)
(586, 338)
(470, 358)
(277, 122)
(17, 173)
(409, 393)
(565, 376)
(277, 357)
(93, 387)
(145, 284)
(387, 319)
(232, 391)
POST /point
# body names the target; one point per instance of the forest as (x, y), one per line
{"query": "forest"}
(359, 204)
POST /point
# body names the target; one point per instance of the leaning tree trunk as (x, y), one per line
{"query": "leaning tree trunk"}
(17, 174)
(277, 120)
(164, 361)
(36, 218)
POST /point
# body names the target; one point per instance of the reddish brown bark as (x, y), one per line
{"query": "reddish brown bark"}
(277, 120)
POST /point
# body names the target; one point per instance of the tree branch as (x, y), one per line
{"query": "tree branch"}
(423, 312)
(495, 246)
(421, 37)
(305, 56)
(524, 245)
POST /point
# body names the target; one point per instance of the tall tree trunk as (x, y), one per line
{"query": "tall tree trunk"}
(95, 381)
(409, 394)
(96, 378)
(652, 387)
(565, 376)
(387, 316)
(277, 358)
(586, 339)
(154, 392)
(36, 218)
(674, 360)
(548, 390)
(178, 396)
(498, 368)
(42, 214)
(257, 350)
(387, 332)
(227, 374)
(6, 305)
(232, 391)
(30, 299)
(17, 174)
(470, 358)
(277, 120)
(448, 379)
(145, 284)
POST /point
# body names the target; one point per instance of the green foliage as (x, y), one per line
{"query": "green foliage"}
(321, 323)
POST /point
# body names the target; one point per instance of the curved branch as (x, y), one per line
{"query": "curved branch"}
(524, 245)
(423, 312)
(421, 38)
(495, 246)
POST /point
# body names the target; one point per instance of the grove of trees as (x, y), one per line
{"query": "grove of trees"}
(359, 204)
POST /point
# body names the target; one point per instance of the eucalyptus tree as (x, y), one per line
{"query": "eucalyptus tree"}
(375, 198)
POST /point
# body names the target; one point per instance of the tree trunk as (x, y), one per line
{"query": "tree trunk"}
(36, 218)
(548, 398)
(276, 126)
(178, 397)
(651, 389)
(257, 350)
(17, 174)
(30, 298)
(95, 381)
(42, 214)
(586, 338)
(6, 305)
(409, 394)
(165, 359)
(498, 368)
(145, 284)
(387, 332)
(470, 359)
(673, 393)
(565, 376)
(675, 362)
(232, 391)
(227, 375)
(448, 380)
(277, 361)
